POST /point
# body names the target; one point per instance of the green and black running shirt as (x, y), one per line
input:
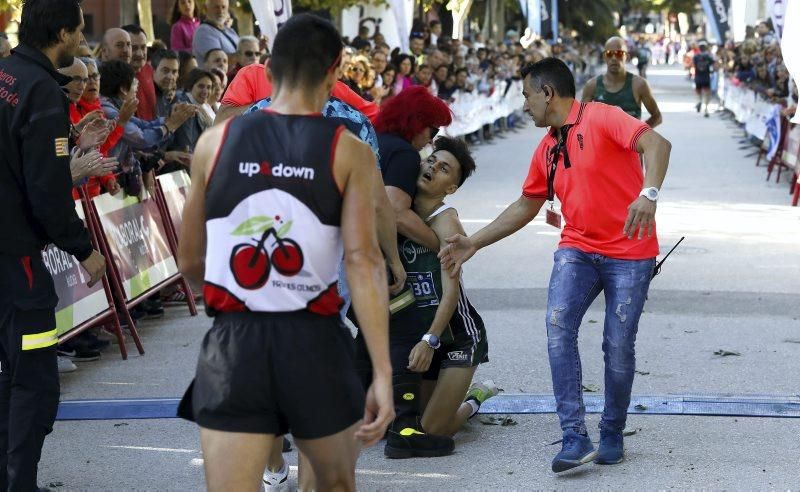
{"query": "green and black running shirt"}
(424, 272)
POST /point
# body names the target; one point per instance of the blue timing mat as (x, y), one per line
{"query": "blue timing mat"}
(711, 405)
(708, 405)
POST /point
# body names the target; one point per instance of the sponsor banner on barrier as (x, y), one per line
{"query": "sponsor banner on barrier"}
(757, 114)
(137, 240)
(77, 302)
(175, 186)
(791, 151)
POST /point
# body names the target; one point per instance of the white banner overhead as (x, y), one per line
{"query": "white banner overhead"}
(777, 10)
(384, 18)
(271, 15)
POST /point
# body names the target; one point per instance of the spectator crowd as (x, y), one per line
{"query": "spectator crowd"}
(757, 63)
(139, 105)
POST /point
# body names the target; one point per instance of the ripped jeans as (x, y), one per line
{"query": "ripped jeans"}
(576, 281)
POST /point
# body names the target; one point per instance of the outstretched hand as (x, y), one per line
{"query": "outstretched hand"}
(458, 250)
(93, 134)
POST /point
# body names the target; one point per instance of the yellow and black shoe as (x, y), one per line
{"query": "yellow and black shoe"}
(409, 442)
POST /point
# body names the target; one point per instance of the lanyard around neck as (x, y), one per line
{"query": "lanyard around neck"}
(553, 153)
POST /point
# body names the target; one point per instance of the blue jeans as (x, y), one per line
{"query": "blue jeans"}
(576, 281)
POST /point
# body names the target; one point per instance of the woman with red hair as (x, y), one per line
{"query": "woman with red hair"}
(407, 123)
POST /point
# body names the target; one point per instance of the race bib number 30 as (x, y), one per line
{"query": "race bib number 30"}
(424, 290)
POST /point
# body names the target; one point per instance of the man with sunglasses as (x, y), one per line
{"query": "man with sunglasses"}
(590, 160)
(618, 87)
(248, 53)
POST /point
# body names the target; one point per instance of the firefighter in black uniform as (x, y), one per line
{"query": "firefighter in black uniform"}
(36, 208)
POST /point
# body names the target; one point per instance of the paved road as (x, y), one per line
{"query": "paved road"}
(734, 285)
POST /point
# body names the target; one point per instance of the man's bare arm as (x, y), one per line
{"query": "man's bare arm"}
(387, 234)
(512, 219)
(227, 112)
(444, 225)
(642, 212)
(588, 90)
(646, 96)
(409, 224)
(656, 150)
(192, 243)
(461, 248)
(353, 168)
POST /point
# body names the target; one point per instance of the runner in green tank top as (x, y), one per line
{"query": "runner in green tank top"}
(618, 87)
(442, 303)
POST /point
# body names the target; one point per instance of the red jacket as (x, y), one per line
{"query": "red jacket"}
(76, 113)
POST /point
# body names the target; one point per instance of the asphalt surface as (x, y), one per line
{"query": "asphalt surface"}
(733, 285)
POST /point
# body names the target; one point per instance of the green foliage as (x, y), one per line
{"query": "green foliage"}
(10, 5)
(674, 6)
(334, 6)
(576, 14)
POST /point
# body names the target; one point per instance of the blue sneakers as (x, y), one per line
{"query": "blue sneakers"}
(611, 449)
(576, 450)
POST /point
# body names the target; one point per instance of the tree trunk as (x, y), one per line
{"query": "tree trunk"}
(145, 9)
(460, 9)
(244, 20)
(500, 19)
(488, 11)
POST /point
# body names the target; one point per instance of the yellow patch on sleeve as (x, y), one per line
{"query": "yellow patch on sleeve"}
(62, 147)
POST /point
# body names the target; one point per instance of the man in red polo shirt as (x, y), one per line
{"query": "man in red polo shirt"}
(251, 85)
(146, 93)
(589, 160)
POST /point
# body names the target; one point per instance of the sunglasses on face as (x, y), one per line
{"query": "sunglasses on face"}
(619, 54)
(357, 70)
(250, 54)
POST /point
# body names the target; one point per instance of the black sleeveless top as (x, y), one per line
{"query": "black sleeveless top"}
(273, 212)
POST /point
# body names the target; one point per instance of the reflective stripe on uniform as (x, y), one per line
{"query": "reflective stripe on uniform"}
(39, 340)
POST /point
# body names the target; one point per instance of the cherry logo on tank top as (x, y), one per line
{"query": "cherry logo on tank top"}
(273, 217)
(251, 262)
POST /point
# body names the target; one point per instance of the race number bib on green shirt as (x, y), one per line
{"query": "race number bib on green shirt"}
(424, 289)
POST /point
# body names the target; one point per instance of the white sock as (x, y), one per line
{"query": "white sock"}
(475, 406)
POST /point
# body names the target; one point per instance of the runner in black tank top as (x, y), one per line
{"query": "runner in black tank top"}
(284, 194)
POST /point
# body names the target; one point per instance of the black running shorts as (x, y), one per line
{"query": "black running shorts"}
(464, 351)
(274, 373)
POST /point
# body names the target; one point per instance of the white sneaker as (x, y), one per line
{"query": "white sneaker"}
(275, 480)
(65, 365)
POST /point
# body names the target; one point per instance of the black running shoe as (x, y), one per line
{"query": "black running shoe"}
(153, 308)
(93, 342)
(79, 354)
(411, 443)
